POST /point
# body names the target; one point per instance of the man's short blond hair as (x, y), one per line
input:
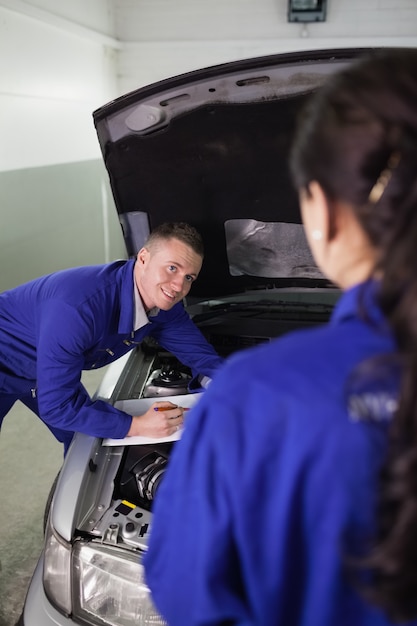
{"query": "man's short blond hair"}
(177, 230)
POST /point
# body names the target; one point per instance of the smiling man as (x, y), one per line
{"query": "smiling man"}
(56, 326)
(167, 265)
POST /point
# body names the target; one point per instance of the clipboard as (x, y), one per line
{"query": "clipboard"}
(141, 405)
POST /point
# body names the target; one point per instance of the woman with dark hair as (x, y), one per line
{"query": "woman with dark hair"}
(292, 497)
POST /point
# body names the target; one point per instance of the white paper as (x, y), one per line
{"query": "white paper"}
(140, 406)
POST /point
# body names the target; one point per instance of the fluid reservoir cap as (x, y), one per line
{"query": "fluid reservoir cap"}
(129, 529)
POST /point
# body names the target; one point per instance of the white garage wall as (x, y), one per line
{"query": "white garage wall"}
(95, 15)
(56, 209)
(165, 37)
(51, 79)
(62, 59)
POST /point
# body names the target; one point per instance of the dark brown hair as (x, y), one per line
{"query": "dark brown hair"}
(357, 138)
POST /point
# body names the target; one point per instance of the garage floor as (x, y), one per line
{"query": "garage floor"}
(30, 458)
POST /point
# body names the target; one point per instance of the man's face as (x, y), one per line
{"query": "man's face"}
(165, 272)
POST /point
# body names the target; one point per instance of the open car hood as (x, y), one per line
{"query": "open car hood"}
(210, 148)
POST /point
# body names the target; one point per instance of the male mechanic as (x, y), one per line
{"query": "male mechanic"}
(56, 326)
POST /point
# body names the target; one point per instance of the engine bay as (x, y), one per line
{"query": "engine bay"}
(121, 514)
(124, 518)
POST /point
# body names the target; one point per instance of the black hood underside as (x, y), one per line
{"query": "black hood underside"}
(211, 147)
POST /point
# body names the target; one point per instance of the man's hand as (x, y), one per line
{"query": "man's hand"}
(160, 420)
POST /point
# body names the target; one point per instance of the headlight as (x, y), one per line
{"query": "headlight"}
(109, 587)
(57, 571)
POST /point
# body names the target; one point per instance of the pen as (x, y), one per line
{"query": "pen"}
(170, 408)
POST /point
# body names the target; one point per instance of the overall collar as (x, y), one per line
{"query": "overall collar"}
(361, 301)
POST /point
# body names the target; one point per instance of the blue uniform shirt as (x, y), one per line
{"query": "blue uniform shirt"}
(78, 319)
(274, 482)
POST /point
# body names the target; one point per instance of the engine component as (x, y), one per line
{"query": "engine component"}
(148, 473)
(167, 381)
(142, 471)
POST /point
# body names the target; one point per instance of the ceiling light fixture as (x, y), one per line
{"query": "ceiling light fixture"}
(307, 10)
